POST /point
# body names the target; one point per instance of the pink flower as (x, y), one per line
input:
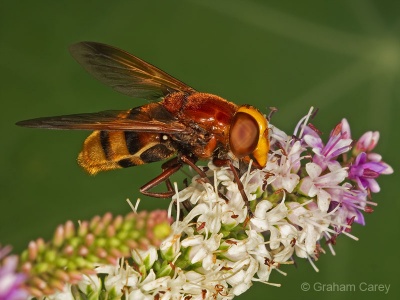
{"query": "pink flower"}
(346, 133)
(339, 142)
(316, 184)
(366, 142)
(365, 170)
(10, 281)
(351, 205)
(284, 166)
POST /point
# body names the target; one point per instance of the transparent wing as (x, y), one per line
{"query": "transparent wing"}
(125, 72)
(111, 120)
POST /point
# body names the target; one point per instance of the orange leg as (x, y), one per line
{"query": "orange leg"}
(175, 164)
(170, 167)
(227, 162)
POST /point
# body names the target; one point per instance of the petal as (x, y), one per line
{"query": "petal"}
(150, 257)
(274, 239)
(277, 134)
(241, 288)
(192, 241)
(300, 252)
(295, 149)
(362, 183)
(114, 282)
(199, 254)
(285, 254)
(305, 186)
(6, 283)
(313, 141)
(361, 158)
(321, 161)
(331, 179)
(375, 167)
(138, 295)
(152, 280)
(290, 182)
(334, 165)
(378, 166)
(373, 185)
(214, 242)
(359, 217)
(324, 198)
(313, 191)
(388, 170)
(364, 141)
(374, 141)
(199, 209)
(237, 252)
(313, 170)
(237, 281)
(208, 262)
(346, 133)
(262, 208)
(277, 213)
(342, 146)
(92, 281)
(374, 157)
(264, 271)
(311, 239)
(259, 224)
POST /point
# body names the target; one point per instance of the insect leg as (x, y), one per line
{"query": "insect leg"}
(170, 164)
(221, 162)
(169, 168)
(190, 163)
(203, 175)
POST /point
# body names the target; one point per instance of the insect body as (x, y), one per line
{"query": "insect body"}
(184, 125)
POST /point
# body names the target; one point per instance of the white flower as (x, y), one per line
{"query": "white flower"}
(216, 250)
(235, 210)
(145, 257)
(202, 249)
(313, 223)
(315, 184)
(211, 216)
(288, 238)
(119, 277)
(65, 294)
(237, 249)
(266, 217)
(90, 284)
(242, 275)
(151, 282)
(284, 163)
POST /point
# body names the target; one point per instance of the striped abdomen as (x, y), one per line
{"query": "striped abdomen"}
(109, 150)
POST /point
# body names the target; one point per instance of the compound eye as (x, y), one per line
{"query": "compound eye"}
(244, 134)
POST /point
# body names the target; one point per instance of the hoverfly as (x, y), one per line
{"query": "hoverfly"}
(182, 125)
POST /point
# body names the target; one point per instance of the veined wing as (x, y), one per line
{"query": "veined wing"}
(111, 120)
(125, 72)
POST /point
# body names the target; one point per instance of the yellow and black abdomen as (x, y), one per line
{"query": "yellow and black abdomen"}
(109, 150)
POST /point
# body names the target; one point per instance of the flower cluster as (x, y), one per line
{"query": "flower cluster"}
(309, 193)
(73, 254)
(10, 281)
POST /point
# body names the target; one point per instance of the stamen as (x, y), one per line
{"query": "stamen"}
(178, 202)
(312, 264)
(134, 208)
(303, 120)
(267, 282)
(350, 235)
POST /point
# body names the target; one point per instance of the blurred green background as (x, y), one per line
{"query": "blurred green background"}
(341, 56)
